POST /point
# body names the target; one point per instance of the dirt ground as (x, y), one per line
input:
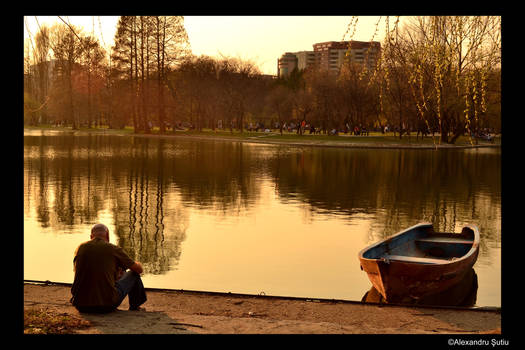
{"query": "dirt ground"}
(176, 312)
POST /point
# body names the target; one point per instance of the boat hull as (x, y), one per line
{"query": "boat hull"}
(400, 281)
(464, 293)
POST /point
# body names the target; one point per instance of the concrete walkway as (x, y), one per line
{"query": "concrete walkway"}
(176, 312)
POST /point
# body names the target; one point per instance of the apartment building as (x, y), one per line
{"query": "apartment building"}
(330, 56)
(286, 64)
(305, 59)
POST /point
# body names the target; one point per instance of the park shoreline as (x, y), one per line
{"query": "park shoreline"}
(262, 138)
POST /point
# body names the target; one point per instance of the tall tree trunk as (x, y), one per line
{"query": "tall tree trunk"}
(136, 79)
(89, 94)
(161, 50)
(443, 129)
(132, 61)
(146, 89)
(70, 93)
(143, 116)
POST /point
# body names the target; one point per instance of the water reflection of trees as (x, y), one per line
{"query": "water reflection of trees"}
(445, 187)
(147, 184)
(74, 179)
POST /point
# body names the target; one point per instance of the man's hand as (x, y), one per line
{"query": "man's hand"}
(137, 267)
(120, 272)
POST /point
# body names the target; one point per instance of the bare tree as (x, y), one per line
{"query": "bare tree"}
(92, 58)
(123, 58)
(67, 50)
(171, 46)
(279, 101)
(237, 78)
(321, 88)
(42, 49)
(358, 97)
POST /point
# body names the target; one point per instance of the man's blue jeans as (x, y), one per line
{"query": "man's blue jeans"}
(130, 284)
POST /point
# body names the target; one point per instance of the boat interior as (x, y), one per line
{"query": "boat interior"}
(423, 245)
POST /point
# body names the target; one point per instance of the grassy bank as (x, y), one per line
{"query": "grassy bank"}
(374, 139)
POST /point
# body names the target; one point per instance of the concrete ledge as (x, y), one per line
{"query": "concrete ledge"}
(224, 313)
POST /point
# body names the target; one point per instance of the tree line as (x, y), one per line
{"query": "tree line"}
(435, 75)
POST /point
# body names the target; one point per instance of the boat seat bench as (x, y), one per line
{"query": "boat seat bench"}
(414, 259)
(445, 240)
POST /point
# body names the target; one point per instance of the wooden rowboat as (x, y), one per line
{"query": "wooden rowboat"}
(419, 262)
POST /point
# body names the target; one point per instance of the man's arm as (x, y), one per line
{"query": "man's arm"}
(137, 267)
(124, 260)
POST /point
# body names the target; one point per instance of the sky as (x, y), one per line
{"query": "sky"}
(260, 39)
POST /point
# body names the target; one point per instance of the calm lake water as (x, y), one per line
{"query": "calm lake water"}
(250, 218)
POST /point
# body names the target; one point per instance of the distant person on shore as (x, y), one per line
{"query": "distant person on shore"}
(100, 283)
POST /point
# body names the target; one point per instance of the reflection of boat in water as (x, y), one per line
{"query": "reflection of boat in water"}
(463, 293)
(419, 263)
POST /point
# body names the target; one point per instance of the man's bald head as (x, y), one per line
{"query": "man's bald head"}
(100, 231)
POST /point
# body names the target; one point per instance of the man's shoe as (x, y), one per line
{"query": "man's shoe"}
(137, 308)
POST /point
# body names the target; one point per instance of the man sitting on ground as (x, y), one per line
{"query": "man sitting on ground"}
(100, 284)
